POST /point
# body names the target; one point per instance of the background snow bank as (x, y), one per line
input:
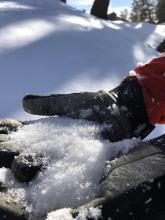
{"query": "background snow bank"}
(76, 158)
(48, 47)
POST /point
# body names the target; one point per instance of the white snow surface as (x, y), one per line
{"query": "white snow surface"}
(48, 47)
(64, 214)
(76, 156)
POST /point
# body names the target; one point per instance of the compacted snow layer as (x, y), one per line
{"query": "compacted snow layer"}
(76, 157)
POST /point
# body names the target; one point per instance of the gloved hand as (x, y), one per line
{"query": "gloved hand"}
(100, 107)
(121, 110)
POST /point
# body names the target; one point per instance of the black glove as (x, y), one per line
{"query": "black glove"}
(122, 109)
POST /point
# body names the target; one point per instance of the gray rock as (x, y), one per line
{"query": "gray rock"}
(7, 153)
(3, 188)
(9, 125)
(26, 166)
(10, 209)
(134, 187)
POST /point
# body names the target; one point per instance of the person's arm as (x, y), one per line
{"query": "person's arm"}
(151, 77)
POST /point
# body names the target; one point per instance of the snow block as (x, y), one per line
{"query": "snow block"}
(135, 185)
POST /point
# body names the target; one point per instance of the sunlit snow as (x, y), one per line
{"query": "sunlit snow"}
(76, 156)
(47, 47)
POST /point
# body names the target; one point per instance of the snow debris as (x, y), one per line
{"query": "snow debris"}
(139, 64)
(148, 201)
(76, 158)
(153, 100)
(162, 54)
(65, 214)
(61, 214)
(132, 73)
(93, 213)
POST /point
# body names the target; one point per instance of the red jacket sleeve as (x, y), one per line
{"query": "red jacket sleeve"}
(151, 77)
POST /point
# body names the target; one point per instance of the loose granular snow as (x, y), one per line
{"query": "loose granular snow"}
(84, 214)
(76, 157)
(62, 214)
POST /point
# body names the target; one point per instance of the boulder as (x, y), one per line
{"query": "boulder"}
(135, 185)
(26, 166)
(9, 125)
(7, 153)
(10, 209)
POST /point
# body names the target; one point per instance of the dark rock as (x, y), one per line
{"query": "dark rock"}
(9, 125)
(3, 188)
(112, 16)
(134, 187)
(10, 209)
(26, 166)
(161, 47)
(7, 153)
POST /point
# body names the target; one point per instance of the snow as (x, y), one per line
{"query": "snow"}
(64, 214)
(53, 48)
(48, 47)
(75, 157)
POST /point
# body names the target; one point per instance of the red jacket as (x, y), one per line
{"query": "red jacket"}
(151, 77)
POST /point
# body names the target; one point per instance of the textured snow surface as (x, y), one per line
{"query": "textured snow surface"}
(64, 214)
(76, 157)
(52, 48)
(47, 47)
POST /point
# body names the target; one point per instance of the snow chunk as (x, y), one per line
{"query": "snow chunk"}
(65, 214)
(139, 64)
(93, 213)
(132, 73)
(61, 214)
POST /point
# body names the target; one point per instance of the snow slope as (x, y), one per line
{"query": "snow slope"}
(47, 47)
